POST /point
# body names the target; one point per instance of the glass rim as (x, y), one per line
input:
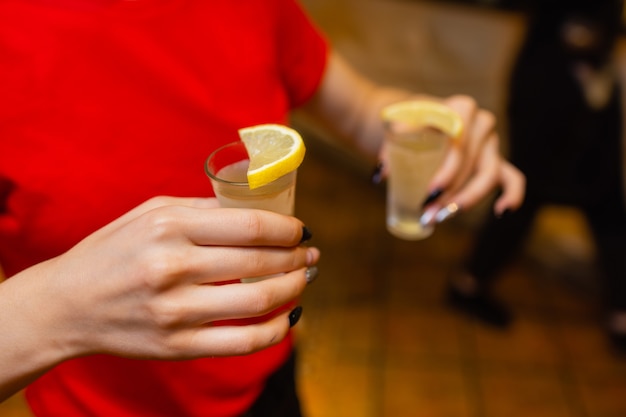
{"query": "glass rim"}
(214, 176)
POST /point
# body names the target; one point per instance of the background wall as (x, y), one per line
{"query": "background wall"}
(439, 48)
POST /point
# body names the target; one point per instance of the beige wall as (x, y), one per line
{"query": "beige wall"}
(430, 47)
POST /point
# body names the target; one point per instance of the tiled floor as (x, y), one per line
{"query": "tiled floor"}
(377, 341)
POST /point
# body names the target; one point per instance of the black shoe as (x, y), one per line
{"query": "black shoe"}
(480, 306)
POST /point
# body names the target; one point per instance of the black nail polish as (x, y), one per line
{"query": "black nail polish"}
(432, 196)
(306, 234)
(377, 174)
(294, 316)
(311, 273)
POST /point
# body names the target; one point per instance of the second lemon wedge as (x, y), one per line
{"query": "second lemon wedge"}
(422, 113)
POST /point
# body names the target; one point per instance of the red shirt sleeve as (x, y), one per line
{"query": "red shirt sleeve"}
(302, 52)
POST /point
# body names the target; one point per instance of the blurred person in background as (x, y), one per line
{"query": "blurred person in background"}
(565, 119)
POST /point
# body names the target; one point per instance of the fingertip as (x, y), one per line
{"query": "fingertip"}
(447, 212)
(377, 174)
(503, 213)
(510, 200)
(432, 196)
(306, 234)
(507, 203)
(294, 316)
(311, 274)
(312, 256)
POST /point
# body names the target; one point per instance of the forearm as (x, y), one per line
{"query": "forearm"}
(349, 105)
(28, 346)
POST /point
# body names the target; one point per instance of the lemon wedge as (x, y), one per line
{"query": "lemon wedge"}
(421, 113)
(274, 150)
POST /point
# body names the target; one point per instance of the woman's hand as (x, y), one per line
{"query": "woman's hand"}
(144, 287)
(473, 168)
(350, 105)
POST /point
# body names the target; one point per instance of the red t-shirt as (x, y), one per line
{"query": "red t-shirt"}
(106, 103)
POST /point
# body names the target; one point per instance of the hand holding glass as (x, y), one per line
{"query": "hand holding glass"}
(227, 168)
(414, 153)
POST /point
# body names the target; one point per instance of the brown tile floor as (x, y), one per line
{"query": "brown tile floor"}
(377, 341)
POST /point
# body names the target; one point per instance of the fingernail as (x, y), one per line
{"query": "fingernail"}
(447, 212)
(377, 174)
(505, 213)
(294, 316)
(432, 196)
(311, 273)
(312, 255)
(306, 234)
(427, 217)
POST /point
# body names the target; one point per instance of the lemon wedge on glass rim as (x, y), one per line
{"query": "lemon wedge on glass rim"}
(423, 113)
(274, 150)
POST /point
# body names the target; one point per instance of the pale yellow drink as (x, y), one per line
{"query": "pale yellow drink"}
(417, 135)
(231, 189)
(227, 169)
(413, 159)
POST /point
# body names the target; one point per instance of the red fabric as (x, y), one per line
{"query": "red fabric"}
(104, 104)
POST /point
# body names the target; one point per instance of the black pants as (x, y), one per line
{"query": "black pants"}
(279, 398)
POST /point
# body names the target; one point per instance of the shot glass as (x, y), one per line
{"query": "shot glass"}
(227, 169)
(414, 154)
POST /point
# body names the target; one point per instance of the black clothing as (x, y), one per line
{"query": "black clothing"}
(279, 397)
(570, 151)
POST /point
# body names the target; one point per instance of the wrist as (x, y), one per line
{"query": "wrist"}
(35, 335)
